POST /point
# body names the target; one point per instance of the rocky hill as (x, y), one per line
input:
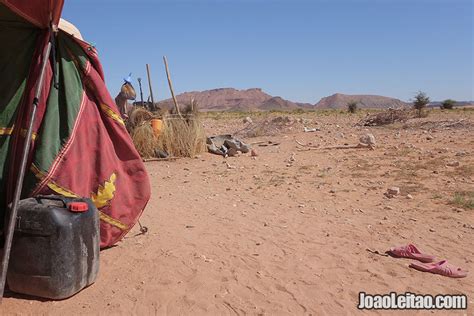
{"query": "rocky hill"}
(234, 100)
(339, 101)
(230, 99)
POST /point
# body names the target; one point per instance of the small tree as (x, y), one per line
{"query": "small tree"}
(352, 106)
(420, 102)
(448, 104)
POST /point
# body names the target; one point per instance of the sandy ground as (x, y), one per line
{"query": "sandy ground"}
(274, 237)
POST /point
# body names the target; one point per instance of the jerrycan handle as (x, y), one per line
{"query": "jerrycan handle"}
(60, 198)
(72, 204)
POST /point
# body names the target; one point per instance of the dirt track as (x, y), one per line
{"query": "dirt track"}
(274, 236)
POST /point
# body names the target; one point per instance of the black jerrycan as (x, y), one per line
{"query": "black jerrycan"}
(55, 249)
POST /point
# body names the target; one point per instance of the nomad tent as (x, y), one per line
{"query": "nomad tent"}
(79, 146)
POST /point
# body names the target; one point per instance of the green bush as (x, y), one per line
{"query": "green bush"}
(352, 106)
(420, 102)
(448, 104)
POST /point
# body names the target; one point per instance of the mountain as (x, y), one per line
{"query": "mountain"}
(338, 101)
(230, 99)
(234, 100)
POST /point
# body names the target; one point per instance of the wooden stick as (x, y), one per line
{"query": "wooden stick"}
(149, 85)
(344, 147)
(307, 149)
(13, 209)
(376, 252)
(159, 159)
(449, 124)
(171, 87)
(306, 145)
(358, 146)
(265, 143)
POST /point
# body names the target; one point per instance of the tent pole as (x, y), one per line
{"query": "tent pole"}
(19, 184)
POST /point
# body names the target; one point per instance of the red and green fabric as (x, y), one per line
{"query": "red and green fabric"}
(80, 146)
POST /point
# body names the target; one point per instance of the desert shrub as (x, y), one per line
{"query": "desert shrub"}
(464, 199)
(352, 106)
(386, 117)
(448, 104)
(420, 102)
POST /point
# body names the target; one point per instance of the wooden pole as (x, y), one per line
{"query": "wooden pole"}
(171, 87)
(151, 89)
(12, 219)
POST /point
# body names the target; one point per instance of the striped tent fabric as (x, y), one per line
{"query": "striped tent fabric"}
(80, 146)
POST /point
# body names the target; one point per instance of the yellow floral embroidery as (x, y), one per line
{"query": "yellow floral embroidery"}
(111, 113)
(105, 193)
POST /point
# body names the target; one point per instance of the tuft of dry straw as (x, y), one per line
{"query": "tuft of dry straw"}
(144, 140)
(137, 117)
(182, 137)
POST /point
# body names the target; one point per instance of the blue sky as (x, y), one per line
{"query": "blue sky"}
(299, 50)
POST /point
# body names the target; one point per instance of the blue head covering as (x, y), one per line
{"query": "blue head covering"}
(128, 79)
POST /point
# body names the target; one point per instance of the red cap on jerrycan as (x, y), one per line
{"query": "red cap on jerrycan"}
(77, 207)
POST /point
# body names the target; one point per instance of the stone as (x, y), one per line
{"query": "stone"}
(393, 191)
(453, 164)
(232, 152)
(248, 120)
(368, 139)
(409, 197)
(309, 130)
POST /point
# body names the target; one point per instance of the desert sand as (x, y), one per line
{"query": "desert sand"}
(276, 235)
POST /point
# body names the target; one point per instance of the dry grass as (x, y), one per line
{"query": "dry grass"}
(464, 199)
(144, 140)
(137, 117)
(182, 137)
